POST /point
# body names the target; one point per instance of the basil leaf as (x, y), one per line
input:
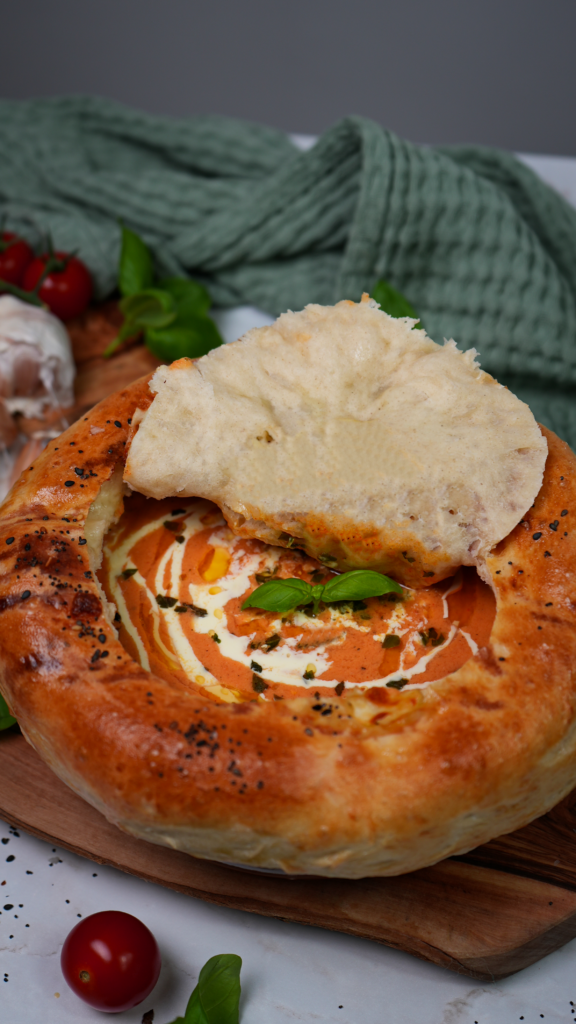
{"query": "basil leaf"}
(393, 302)
(358, 584)
(150, 308)
(280, 595)
(219, 989)
(197, 337)
(190, 297)
(136, 271)
(6, 719)
(216, 998)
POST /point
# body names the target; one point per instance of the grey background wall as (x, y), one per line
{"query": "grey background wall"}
(499, 72)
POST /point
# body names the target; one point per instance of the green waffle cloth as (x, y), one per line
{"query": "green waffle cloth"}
(479, 245)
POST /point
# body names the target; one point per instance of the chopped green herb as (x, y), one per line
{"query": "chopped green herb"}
(391, 640)
(255, 666)
(397, 684)
(432, 637)
(271, 642)
(328, 559)
(165, 602)
(265, 575)
(407, 557)
(309, 674)
(173, 527)
(127, 574)
(258, 684)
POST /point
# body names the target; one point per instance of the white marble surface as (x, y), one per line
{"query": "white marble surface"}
(291, 973)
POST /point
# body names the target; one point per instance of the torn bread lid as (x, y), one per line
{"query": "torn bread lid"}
(350, 434)
(36, 365)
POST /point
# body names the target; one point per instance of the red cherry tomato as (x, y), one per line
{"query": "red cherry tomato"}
(15, 256)
(67, 288)
(111, 960)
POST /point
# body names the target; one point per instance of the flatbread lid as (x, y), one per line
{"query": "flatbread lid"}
(347, 433)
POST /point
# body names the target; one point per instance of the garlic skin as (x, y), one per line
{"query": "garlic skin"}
(36, 364)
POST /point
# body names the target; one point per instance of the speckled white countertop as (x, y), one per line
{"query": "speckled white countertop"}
(290, 973)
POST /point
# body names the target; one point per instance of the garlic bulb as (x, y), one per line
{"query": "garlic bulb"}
(36, 365)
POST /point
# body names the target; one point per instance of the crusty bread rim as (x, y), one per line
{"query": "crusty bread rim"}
(279, 785)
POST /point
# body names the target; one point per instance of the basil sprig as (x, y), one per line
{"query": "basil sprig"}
(216, 998)
(6, 719)
(171, 313)
(286, 595)
(393, 302)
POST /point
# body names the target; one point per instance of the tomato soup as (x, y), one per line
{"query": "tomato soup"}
(178, 577)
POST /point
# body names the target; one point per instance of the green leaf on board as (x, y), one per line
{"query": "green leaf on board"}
(136, 269)
(6, 719)
(285, 595)
(393, 302)
(216, 998)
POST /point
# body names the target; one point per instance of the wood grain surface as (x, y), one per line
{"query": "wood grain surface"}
(464, 914)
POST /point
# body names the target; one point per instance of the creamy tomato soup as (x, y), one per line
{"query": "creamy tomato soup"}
(179, 576)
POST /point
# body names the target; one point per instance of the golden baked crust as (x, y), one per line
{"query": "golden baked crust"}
(281, 785)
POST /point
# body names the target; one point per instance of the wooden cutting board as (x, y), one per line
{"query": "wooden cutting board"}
(487, 915)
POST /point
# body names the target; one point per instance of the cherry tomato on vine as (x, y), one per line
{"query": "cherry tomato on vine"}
(67, 285)
(111, 960)
(15, 256)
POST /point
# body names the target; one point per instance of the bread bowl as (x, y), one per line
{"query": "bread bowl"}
(482, 752)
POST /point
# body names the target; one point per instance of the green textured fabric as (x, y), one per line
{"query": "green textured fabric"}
(479, 245)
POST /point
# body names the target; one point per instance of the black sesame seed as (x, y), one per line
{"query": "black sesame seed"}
(68, 483)
(536, 536)
(564, 512)
(554, 526)
(10, 540)
(547, 554)
(25, 595)
(117, 423)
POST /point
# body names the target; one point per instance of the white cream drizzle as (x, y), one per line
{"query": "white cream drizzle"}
(285, 664)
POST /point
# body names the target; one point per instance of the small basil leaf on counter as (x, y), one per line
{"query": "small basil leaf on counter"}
(216, 998)
(280, 595)
(358, 584)
(194, 338)
(191, 298)
(393, 302)
(136, 269)
(150, 308)
(6, 719)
